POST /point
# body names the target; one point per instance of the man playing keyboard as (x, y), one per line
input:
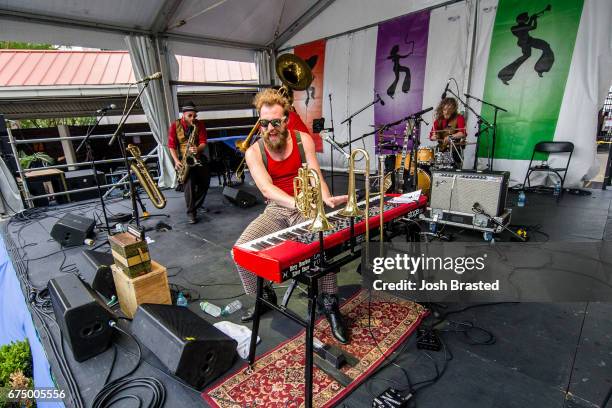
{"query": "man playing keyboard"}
(273, 163)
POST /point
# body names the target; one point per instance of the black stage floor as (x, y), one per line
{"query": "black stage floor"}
(545, 355)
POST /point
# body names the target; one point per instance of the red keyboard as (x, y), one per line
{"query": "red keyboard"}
(286, 253)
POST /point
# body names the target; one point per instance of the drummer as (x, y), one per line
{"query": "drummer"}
(449, 125)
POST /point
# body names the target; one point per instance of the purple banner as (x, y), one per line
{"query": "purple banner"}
(401, 51)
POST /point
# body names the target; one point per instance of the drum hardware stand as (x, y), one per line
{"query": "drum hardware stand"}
(350, 120)
(416, 142)
(311, 280)
(493, 126)
(90, 156)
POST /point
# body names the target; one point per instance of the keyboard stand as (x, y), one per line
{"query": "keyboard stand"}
(311, 280)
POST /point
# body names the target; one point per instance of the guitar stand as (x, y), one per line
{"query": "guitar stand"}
(311, 280)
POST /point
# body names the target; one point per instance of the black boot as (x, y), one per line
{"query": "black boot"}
(269, 295)
(329, 305)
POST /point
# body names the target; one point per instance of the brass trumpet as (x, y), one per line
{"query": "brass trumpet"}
(351, 209)
(146, 181)
(309, 199)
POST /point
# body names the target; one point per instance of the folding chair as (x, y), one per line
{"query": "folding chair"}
(550, 147)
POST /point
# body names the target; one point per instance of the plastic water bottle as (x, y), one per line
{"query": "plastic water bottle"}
(213, 310)
(521, 199)
(433, 227)
(231, 308)
(557, 189)
(487, 236)
(181, 300)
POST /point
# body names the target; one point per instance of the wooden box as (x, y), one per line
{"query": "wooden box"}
(150, 288)
(131, 254)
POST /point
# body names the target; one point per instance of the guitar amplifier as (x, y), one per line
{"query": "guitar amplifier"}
(454, 193)
(458, 190)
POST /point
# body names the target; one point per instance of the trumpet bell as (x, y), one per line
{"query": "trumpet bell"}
(351, 209)
(320, 224)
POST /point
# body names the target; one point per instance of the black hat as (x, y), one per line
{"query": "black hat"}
(189, 107)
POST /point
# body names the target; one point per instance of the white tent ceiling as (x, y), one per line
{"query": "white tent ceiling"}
(204, 24)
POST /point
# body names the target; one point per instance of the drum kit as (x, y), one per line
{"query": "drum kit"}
(428, 159)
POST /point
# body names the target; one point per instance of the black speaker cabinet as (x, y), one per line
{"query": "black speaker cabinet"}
(78, 179)
(102, 279)
(190, 347)
(71, 229)
(238, 197)
(81, 315)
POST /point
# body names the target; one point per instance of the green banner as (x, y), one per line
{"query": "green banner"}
(530, 56)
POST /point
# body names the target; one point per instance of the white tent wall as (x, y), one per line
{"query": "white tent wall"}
(484, 31)
(144, 62)
(448, 50)
(349, 75)
(346, 15)
(349, 78)
(349, 72)
(589, 78)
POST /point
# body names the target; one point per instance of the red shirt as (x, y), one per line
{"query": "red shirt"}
(294, 122)
(440, 124)
(172, 140)
(283, 172)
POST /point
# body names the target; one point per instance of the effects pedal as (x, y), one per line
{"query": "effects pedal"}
(391, 398)
(428, 340)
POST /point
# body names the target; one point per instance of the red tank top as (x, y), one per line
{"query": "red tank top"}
(283, 172)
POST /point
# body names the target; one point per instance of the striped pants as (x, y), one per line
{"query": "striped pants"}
(275, 218)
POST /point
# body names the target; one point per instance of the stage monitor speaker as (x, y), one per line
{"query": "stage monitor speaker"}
(190, 347)
(81, 316)
(458, 190)
(71, 229)
(78, 179)
(102, 281)
(239, 197)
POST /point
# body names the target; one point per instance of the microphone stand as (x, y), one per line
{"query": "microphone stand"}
(480, 121)
(350, 121)
(90, 156)
(331, 151)
(496, 110)
(125, 159)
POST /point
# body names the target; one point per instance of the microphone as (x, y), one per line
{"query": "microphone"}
(333, 143)
(151, 77)
(420, 113)
(106, 108)
(445, 89)
(380, 99)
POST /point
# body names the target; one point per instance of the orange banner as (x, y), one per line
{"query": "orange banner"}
(309, 103)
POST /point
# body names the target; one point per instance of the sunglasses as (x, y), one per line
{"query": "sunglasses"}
(275, 122)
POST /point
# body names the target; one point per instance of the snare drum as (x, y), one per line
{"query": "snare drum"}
(425, 155)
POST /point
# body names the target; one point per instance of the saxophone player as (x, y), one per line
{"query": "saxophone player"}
(198, 180)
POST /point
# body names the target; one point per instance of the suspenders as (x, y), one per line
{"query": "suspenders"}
(298, 138)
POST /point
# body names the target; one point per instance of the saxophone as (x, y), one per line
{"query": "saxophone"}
(145, 179)
(189, 159)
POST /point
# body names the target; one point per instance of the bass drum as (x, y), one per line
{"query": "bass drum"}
(424, 182)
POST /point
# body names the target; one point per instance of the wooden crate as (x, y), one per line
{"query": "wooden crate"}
(150, 288)
(131, 254)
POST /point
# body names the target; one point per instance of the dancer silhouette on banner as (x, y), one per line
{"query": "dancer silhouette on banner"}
(526, 42)
(397, 68)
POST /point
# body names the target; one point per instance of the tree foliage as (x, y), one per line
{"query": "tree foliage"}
(16, 45)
